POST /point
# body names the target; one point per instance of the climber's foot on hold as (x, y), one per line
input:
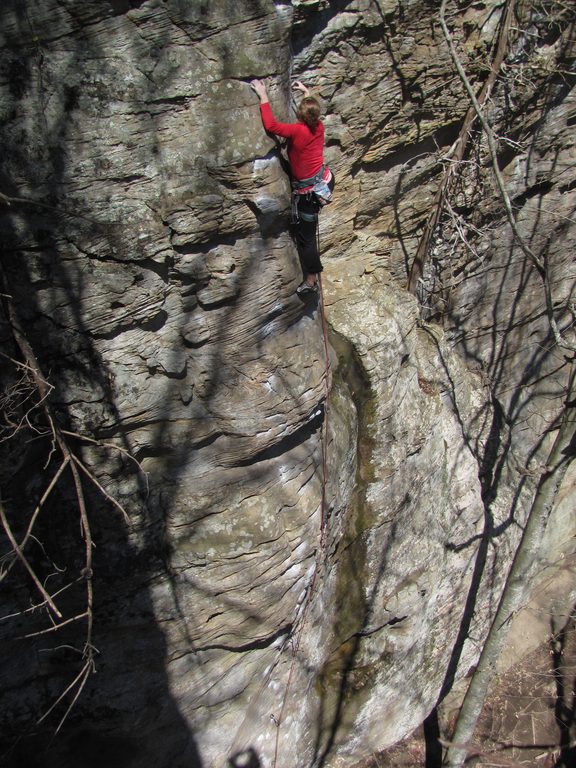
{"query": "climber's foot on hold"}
(306, 288)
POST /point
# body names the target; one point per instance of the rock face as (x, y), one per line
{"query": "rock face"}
(148, 257)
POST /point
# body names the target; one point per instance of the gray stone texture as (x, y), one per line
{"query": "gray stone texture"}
(155, 279)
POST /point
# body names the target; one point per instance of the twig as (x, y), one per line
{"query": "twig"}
(87, 535)
(105, 493)
(88, 669)
(54, 627)
(20, 364)
(456, 152)
(36, 607)
(9, 200)
(102, 444)
(88, 666)
(25, 562)
(37, 512)
(528, 252)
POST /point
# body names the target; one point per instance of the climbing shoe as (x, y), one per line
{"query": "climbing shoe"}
(304, 288)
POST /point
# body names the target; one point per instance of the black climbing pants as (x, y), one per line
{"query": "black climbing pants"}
(306, 232)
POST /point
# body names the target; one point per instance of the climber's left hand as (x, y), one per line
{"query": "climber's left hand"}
(259, 88)
(299, 86)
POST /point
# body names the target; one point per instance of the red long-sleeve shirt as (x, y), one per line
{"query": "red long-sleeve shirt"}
(305, 146)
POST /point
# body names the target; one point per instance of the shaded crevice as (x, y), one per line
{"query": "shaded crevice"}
(443, 137)
(288, 443)
(152, 324)
(537, 189)
(254, 645)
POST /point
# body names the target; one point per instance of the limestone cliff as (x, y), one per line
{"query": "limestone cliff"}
(146, 249)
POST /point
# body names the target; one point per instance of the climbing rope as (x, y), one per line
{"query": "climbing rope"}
(324, 441)
(320, 550)
(295, 636)
(295, 649)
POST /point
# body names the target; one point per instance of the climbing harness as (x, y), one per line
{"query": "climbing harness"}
(317, 184)
(316, 188)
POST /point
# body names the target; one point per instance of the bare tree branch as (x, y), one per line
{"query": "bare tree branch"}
(25, 562)
(36, 512)
(78, 469)
(493, 151)
(37, 606)
(456, 152)
(513, 594)
(104, 493)
(55, 627)
(79, 682)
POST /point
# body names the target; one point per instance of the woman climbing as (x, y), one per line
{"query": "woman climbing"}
(306, 157)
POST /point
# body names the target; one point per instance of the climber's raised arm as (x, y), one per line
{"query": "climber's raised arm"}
(286, 130)
(299, 86)
(260, 90)
(306, 158)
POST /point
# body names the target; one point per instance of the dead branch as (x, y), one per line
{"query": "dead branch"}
(9, 201)
(504, 762)
(493, 151)
(55, 627)
(79, 682)
(78, 470)
(87, 573)
(25, 563)
(111, 446)
(37, 606)
(36, 512)
(102, 490)
(18, 402)
(457, 151)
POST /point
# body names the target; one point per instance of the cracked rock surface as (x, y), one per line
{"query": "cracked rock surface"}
(153, 269)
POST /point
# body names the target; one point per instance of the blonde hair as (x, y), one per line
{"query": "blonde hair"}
(309, 111)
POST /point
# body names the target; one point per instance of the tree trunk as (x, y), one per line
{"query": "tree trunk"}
(514, 591)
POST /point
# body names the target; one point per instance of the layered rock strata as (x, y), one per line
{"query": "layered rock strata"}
(152, 268)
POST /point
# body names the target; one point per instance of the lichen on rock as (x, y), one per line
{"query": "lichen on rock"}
(319, 525)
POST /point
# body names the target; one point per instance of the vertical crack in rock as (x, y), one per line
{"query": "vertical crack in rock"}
(147, 250)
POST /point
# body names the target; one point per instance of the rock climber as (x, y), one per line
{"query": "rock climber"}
(309, 175)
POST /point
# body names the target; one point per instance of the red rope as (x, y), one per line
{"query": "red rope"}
(326, 410)
(324, 440)
(295, 649)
